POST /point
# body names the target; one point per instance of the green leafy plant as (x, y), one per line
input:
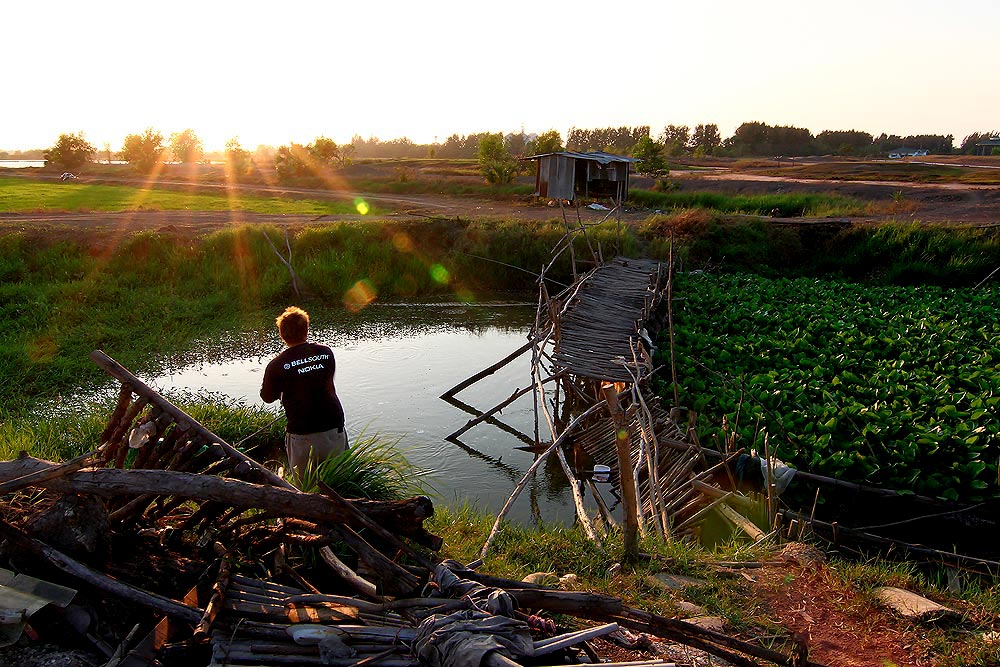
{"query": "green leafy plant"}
(896, 386)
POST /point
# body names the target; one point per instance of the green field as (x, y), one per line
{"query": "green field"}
(20, 195)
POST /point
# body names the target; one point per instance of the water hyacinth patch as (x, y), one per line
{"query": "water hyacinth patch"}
(887, 385)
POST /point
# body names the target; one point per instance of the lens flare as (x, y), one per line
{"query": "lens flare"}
(465, 296)
(362, 206)
(359, 296)
(402, 242)
(440, 274)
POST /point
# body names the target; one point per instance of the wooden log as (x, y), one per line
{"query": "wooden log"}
(378, 530)
(500, 406)
(568, 639)
(119, 441)
(741, 522)
(103, 582)
(398, 516)
(837, 532)
(581, 511)
(124, 398)
(602, 506)
(39, 476)
(215, 602)
(356, 581)
(715, 492)
(611, 609)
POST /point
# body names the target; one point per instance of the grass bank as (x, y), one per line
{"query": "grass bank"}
(520, 551)
(784, 205)
(155, 292)
(906, 253)
(893, 171)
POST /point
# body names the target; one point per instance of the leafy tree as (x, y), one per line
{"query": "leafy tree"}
(612, 139)
(650, 156)
(143, 151)
(186, 147)
(675, 139)
(498, 166)
(516, 143)
(238, 162)
(347, 154)
(844, 142)
(969, 143)
(706, 138)
(935, 144)
(761, 139)
(71, 151)
(324, 151)
(546, 142)
(291, 162)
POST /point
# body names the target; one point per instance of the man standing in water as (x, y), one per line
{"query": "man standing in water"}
(302, 376)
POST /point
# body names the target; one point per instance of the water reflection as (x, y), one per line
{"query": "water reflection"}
(393, 362)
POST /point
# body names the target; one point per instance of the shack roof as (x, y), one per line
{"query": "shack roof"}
(597, 156)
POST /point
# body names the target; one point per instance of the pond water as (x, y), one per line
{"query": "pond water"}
(393, 363)
(21, 164)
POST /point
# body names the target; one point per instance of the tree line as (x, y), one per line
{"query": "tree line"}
(500, 152)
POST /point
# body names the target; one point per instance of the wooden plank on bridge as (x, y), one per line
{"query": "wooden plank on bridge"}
(602, 325)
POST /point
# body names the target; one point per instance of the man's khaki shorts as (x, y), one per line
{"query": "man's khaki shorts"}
(313, 448)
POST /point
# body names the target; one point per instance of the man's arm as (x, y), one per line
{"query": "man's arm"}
(269, 390)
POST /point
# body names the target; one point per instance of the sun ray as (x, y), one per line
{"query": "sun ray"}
(243, 255)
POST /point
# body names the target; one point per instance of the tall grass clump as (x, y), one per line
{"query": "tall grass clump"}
(373, 468)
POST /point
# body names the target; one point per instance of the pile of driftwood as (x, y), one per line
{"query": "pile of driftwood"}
(278, 576)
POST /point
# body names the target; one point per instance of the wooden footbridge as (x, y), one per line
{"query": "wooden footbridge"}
(593, 352)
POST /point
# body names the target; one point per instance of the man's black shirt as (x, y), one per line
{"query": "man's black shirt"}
(302, 376)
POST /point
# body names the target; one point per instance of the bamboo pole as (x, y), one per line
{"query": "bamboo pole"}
(500, 406)
(115, 369)
(492, 369)
(670, 321)
(629, 497)
(531, 471)
(581, 511)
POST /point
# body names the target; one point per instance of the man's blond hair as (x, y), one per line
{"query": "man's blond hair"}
(293, 325)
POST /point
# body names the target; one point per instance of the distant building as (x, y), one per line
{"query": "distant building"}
(987, 147)
(568, 175)
(897, 153)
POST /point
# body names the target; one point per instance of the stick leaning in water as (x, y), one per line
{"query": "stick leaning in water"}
(531, 471)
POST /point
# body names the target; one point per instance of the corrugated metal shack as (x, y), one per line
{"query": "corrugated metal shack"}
(567, 175)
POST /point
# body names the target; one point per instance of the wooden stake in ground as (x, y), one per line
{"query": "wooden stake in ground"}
(630, 510)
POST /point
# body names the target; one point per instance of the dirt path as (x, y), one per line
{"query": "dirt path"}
(938, 203)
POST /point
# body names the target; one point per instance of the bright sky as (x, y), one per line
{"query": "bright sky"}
(291, 70)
